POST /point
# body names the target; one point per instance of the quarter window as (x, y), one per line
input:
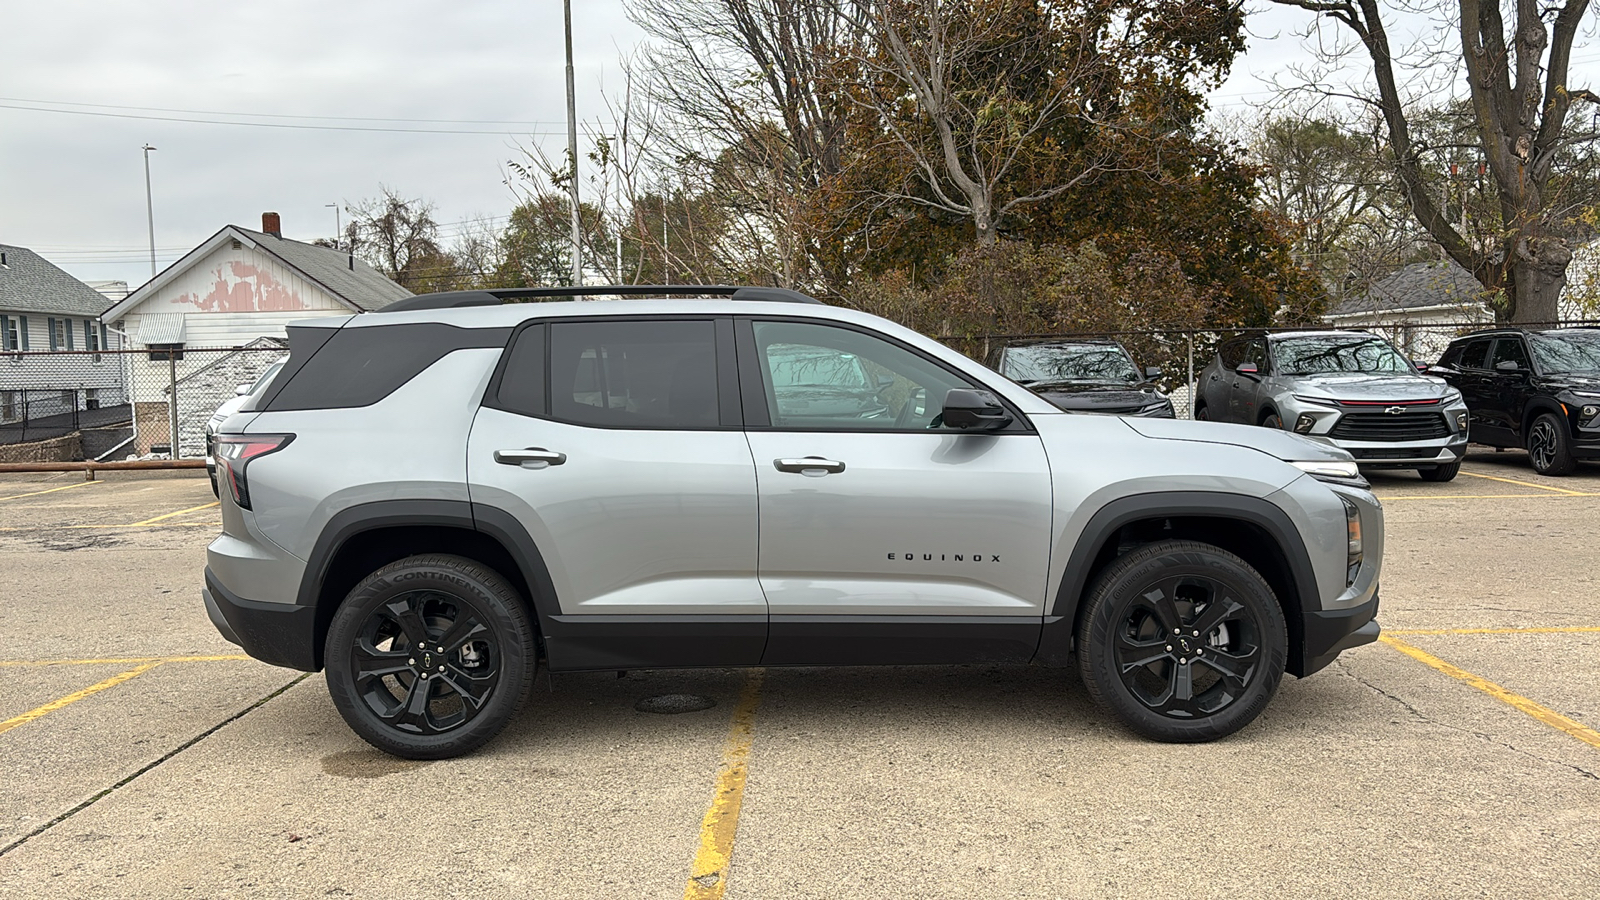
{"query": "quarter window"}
(649, 374)
(829, 378)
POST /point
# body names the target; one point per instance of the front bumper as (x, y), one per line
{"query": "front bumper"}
(282, 634)
(1329, 633)
(1407, 455)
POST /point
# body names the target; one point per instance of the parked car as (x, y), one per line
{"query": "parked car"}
(1351, 389)
(229, 407)
(429, 500)
(1534, 389)
(1085, 375)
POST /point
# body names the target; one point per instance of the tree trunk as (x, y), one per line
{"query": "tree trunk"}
(982, 219)
(1538, 272)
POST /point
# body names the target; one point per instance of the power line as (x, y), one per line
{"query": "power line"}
(291, 125)
(223, 112)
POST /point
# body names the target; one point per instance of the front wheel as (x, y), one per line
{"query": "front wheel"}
(1201, 414)
(1271, 420)
(1550, 447)
(1441, 473)
(1183, 641)
(430, 657)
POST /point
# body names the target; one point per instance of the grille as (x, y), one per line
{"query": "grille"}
(1407, 426)
(1385, 453)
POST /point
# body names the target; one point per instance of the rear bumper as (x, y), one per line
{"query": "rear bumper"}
(1329, 633)
(278, 633)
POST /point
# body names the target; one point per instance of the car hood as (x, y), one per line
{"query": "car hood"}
(1360, 386)
(1281, 444)
(1582, 381)
(1098, 395)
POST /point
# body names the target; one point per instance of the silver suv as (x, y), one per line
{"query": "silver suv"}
(1351, 389)
(429, 501)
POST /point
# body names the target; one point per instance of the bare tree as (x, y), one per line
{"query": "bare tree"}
(397, 235)
(1516, 75)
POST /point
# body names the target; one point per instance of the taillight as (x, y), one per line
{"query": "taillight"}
(234, 453)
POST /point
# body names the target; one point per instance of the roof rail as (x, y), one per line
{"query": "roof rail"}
(497, 296)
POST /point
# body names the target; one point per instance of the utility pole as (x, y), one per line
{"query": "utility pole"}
(572, 153)
(149, 209)
(338, 227)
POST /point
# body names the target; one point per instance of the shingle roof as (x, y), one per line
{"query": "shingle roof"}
(31, 284)
(357, 282)
(1416, 286)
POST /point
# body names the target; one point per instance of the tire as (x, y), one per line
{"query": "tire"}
(1550, 447)
(1271, 420)
(1201, 414)
(382, 650)
(1440, 473)
(1133, 652)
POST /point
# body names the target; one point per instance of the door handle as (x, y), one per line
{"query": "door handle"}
(531, 458)
(812, 466)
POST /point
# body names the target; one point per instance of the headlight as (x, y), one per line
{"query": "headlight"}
(1352, 520)
(1336, 471)
(1322, 401)
(1451, 396)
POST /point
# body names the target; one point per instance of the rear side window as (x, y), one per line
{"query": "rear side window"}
(522, 383)
(1475, 354)
(1231, 354)
(360, 366)
(636, 374)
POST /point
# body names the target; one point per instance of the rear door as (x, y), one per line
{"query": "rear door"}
(616, 443)
(885, 537)
(1477, 389)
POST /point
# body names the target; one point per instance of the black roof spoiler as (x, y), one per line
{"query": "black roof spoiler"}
(497, 296)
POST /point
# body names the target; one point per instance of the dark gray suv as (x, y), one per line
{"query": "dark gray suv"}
(431, 500)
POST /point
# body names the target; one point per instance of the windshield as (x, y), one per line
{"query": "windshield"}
(1068, 362)
(793, 365)
(1338, 353)
(1577, 350)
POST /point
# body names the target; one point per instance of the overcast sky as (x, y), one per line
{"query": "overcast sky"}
(72, 183)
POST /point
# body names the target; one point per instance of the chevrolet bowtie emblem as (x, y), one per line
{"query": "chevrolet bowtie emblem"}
(1395, 410)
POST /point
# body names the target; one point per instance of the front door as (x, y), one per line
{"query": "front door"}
(886, 537)
(616, 444)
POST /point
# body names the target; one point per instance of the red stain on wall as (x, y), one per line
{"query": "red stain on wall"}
(245, 288)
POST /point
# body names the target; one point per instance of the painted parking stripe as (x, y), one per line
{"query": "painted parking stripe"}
(1386, 498)
(120, 661)
(708, 877)
(1575, 629)
(1542, 487)
(65, 487)
(113, 525)
(212, 504)
(1542, 713)
(74, 697)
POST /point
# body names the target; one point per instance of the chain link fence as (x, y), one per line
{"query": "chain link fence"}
(66, 406)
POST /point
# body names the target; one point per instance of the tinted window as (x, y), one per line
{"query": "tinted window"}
(1255, 351)
(522, 383)
(1231, 353)
(634, 374)
(360, 366)
(1475, 354)
(1510, 350)
(821, 376)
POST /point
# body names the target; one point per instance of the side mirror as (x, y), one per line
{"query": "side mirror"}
(1507, 365)
(965, 408)
(241, 390)
(1247, 368)
(1152, 371)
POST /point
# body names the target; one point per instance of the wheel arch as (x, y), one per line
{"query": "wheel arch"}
(1249, 527)
(361, 539)
(1538, 407)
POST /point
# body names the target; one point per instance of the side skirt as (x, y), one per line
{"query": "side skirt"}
(900, 640)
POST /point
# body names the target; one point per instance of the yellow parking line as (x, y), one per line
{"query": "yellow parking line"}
(1543, 713)
(1387, 498)
(134, 525)
(708, 877)
(74, 697)
(118, 661)
(1576, 629)
(65, 487)
(1542, 487)
(180, 512)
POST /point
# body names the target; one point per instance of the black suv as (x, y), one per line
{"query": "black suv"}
(1533, 389)
(1084, 375)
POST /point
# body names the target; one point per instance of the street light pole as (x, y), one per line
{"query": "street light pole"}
(572, 153)
(149, 209)
(338, 227)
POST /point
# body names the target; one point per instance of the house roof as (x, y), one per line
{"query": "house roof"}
(1426, 285)
(347, 279)
(31, 284)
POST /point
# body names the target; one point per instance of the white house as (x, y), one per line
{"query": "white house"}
(1420, 308)
(235, 289)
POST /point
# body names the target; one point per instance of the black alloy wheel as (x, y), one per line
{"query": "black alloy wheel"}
(1549, 446)
(430, 657)
(1184, 641)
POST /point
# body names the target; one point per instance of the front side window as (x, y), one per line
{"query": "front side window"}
(831, 378)
(1475, 355)
(1338, 353)
(1041, 364)
(1577, 350)
(1510, 350)
(634, 374)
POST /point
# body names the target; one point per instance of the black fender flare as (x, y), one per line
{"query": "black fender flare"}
(1537, 408)
(1057, 643)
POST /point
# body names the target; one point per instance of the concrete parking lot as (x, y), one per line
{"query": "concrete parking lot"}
(141, 756)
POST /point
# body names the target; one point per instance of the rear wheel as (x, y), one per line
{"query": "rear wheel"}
(1440, 473)
(430, 657)
(1184, 641)
(1550, 447)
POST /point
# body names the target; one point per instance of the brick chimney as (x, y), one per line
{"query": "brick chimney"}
(271, 224)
